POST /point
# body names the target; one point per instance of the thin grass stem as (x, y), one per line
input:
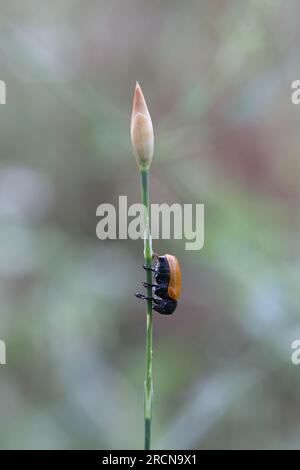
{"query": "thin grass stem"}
(148, 396)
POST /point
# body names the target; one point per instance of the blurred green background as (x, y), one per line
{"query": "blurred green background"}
(217, 79)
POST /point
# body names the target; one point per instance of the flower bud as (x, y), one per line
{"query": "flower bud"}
(141, 130)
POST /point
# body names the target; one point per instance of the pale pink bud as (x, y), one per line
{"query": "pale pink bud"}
(141, 130)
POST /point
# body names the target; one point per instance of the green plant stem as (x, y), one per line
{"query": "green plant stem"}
(148, 397)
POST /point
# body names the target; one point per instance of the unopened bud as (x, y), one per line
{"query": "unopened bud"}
(141, 130)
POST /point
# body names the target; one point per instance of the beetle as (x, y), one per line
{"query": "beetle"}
(167, 287)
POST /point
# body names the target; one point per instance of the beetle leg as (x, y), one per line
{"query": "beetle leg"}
(148, 269)
(143, 297)
(146, 284)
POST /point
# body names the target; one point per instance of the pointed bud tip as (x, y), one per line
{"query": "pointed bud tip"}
(138, 95)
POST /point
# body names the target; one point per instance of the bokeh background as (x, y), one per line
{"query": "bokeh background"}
(217, 79)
